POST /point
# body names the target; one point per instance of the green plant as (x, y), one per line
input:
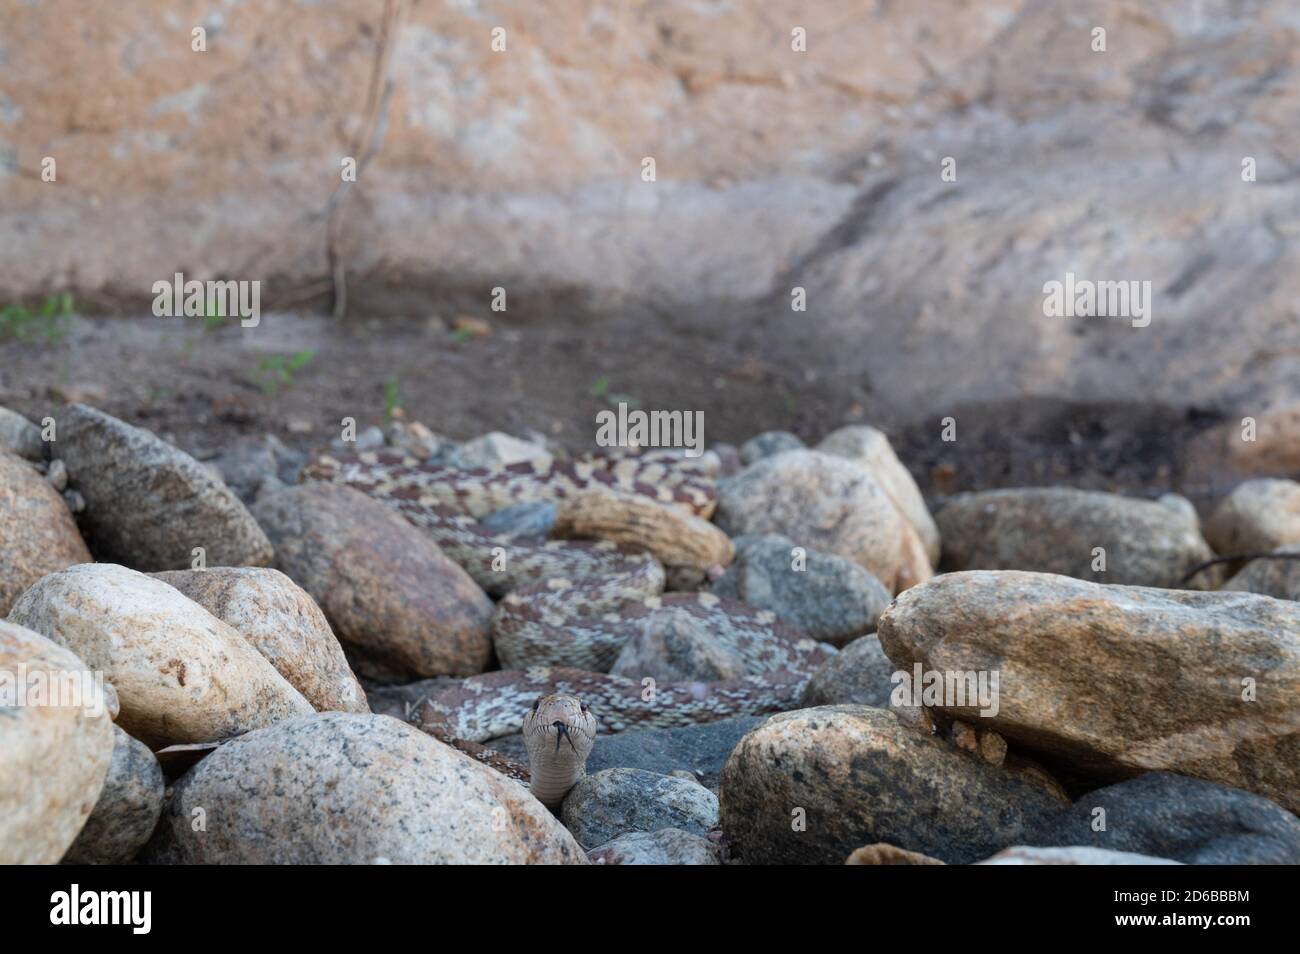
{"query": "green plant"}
(277, 370)
(392, 398)
(50, 322)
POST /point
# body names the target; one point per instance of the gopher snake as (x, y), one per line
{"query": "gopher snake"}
(569, 606)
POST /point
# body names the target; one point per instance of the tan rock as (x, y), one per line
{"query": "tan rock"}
(283, 623)
(54, 758)
(37, 533)
(181, 674)
(813, 785)
(825, 502)
(871, 450)
(1073, 855)
(402, 608)
(343, 788)
(1257, 517)
(675, 537)
(883, 854)
(1114, 681)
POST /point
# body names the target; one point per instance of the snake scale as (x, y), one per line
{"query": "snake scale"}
(569, 607)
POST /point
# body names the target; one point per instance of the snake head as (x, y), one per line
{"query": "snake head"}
(559, 731)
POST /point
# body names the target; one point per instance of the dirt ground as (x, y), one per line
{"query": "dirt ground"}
(203, 386)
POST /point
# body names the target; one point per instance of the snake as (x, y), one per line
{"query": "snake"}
(568, 607)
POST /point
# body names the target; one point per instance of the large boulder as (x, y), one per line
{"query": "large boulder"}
(127, 810)
(1187, 819)
(1117, 680)
(283, 623)
(54, 757)
(148, 504)
(811, 786)
(402, 608)
(344, 788)
(181, 674)
(1095, 536)
(1257, 517)
(824, 502)
(37, 533)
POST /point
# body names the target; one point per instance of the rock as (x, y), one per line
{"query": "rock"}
(603, 806)
(148, 505)
(55, 757)
(674, 645)
(1185, 819)
(870, 449)
(824, 502)
(675, 537)
(1058, 529)
(37, 534)
(768, 444)
(830, 598)
(1023, 855)
(403, 700)
(127, 810)
(522, 520)
(1119, 680)
(497, 450)
(56, 475)
(1257, 517)
(1279, 578)
(344, 788)
(404, 609)
(181, 674)
(810, 786)
(282, 623)
(860, 674)
(668, 846)
(20, 436)
(248, 467)
(416, 439)
(883, 854)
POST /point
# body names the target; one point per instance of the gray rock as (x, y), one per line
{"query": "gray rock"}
(1057, 530)
(56, 475)
(1257, 517)
(860, 674)
(831, 598)
(344, 788)
(1186, 819)
(1278, 578)
(668, 846)
(812, 786)
(522, 520)
(127, 810)
(701, 749)
(1117, 680)
(496, 450)
(148, 505)
(616, 801)
(37, 533)
(673, 645)
(1024, 855)
(824, 502)
(248, 467)
(20, 436)
(401, 608)
(767, 444)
